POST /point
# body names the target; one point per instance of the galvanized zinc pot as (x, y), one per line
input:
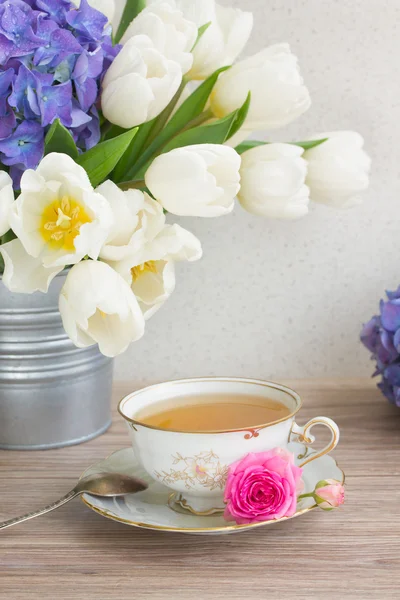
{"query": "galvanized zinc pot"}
(52, 394)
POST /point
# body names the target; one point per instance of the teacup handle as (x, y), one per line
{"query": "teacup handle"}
(302, 435)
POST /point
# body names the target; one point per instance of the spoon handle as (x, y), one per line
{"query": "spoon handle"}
(72, 494)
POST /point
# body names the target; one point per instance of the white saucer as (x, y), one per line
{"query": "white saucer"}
(150, 509)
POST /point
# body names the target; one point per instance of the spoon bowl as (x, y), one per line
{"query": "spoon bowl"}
(107, 485)
(110, 485)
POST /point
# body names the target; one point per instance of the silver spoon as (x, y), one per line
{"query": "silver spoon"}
(107, 485)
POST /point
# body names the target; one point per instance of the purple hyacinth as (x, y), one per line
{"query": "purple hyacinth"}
(381, 336)
(53, 57)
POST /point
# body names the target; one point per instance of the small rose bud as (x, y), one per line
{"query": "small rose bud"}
(329, 494)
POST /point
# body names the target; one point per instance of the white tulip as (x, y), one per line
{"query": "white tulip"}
(137, 220)
(272, 181)
(139, 84)
(24, 274)
(278, 95)
(151, 274)
(98, 307)
(58, 217)
(172, 35)
(338, 169)
(200, 180)
(223, 41)
(6, 201)
(107, 7)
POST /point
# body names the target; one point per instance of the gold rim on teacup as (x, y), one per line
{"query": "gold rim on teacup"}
(259, 382)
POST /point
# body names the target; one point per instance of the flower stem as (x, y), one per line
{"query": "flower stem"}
(310, 495)
(164, 116)
(199, 120)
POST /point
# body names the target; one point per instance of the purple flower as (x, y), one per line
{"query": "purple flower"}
(381, 336)
(17, 23)
(55, 101)
(88, 68)
(57, 44)
(24, 95)
(88, 22)
(53, 57)
(25, 146)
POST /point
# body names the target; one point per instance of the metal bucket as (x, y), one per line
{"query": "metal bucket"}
(52, 394)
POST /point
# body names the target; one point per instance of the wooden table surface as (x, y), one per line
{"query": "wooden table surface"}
(351, 553)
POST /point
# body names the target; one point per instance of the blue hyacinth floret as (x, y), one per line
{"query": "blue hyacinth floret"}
(53, 56)
(381, 335)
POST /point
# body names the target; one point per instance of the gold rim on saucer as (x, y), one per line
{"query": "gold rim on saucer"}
(221, 528)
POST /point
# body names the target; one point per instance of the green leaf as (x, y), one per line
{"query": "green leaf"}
(102, 159)
(216, 132)
(112, 131)
(201, 31)
(132, 9)
(240, 117)
(248, 144)
(59, 139)
(7, 237)
(191, 108)
(132, 152)
(310, 144)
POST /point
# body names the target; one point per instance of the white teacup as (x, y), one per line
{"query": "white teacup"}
(194, 464)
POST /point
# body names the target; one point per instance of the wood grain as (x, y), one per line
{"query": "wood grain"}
(352, 553)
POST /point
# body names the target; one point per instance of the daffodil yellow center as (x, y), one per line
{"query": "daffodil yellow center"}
(61, 222)
(147, 267)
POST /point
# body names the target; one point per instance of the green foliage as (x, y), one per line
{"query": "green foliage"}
(310, 144)
(200, 33)
(132, 9)
(132, 152)
(190, 109)
(248, 144)
(59, 139)
(102, 159)
(216, 132)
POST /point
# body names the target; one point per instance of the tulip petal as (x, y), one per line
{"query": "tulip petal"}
(23, 273)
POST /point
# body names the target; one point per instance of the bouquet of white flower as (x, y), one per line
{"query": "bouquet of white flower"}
(108, 124)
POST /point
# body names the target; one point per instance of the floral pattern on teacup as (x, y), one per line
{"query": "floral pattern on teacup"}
(204, 468)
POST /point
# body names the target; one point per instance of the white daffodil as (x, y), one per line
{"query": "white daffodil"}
(137, 219)
(278, 94)
(139, 84)
(24, 274)
(58, 217)
(272, 181)
(172, 35)
(6, 201)
(338, 169)
(152, 274)
(98, 307)
(200, 180)
(107, 7)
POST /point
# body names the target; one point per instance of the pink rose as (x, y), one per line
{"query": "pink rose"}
(262, 487)
(329, 494)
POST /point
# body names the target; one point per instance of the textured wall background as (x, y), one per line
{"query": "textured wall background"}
(287, 299)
